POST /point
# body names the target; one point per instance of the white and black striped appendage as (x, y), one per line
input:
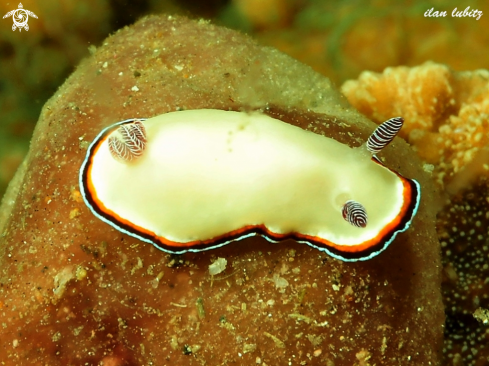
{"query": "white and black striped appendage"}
(384, 134)
(129, 141)
(355, 213)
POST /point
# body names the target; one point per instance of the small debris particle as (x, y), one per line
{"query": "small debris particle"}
(314, 339)
(76, 196)
(363, 356)
(482, 315)
(187, 350)
(195, 348)
(155, 282)
(301, 295)
(137, 266)
(277, 341)
(200, 308)
(80, 273)
(61, 279)
(218, 266)
(78, 330)
(317, 352)
(178, 305)
(75, 213)
(135, 88)
(56, 336)
(84, 146)
(249, 347)
(383, 347)
(280, 282)
(228, 326)
(428, 168)
(300, 317)
(175, 260)
(122, 323)
(174, 343)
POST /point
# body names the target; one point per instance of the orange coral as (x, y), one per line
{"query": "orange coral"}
(446, 112)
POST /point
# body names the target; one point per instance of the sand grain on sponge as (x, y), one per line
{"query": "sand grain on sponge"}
(75, 291)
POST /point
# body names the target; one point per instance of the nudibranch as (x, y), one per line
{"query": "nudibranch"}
(194, 180)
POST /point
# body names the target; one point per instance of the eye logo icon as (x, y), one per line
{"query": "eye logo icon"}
(20, 17)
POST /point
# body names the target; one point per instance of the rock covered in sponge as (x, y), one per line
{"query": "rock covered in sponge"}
(75, 291)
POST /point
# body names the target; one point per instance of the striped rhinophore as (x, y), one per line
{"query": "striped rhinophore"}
(130, 141)
(354, 213)
(384, 134)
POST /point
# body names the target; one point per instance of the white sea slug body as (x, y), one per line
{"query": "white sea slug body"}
(199, 179)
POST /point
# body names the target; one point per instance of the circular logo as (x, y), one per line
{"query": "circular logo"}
(20, 18)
